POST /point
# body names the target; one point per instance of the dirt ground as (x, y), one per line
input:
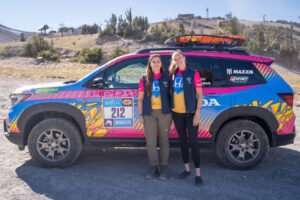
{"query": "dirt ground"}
(118, 173)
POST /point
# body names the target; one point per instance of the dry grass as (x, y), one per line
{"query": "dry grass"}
(19, 67)
(75, 42)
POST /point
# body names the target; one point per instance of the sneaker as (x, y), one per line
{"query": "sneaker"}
(184, 174)
(153, 172)
(164, 173)
(198, 181)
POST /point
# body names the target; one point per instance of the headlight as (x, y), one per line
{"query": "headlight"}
(17, 98)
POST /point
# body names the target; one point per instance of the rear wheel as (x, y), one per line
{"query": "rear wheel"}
(242, 144)
(55, 142)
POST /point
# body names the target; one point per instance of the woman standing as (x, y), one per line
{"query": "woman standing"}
(155, 112)
(186, 102)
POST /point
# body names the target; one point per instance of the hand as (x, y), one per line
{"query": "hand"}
(196, 119)
(141, 119)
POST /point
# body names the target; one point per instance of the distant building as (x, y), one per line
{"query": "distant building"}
(185, 16)
(228, 16)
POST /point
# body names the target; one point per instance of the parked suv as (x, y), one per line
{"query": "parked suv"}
(247, 108)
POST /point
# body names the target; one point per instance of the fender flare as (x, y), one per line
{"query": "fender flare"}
(62, 108)
(244, 111)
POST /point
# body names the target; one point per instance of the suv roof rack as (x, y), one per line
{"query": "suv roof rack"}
(206, 40)
(187, 43)
(197, 48)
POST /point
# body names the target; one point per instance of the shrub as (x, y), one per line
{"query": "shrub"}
(117, 52)
(6, 52)
(49, 54)
(87, 55)
(35, 45)
(146, 38)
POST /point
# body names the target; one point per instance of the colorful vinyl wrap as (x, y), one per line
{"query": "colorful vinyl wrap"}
(114, 112)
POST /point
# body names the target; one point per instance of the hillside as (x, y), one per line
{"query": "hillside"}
(199, 26)
(10, 35)
(77, 42)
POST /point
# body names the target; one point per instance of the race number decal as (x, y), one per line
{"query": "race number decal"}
(118, 112)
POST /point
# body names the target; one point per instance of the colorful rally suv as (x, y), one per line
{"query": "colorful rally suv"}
(247, 106)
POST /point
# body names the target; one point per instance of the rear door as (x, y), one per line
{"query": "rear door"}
(243, 79)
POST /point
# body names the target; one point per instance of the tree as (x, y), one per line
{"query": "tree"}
(113, 23)
(285, 50)
(121, 27)
(128, 15)
(146, 24)
(128, 27)
(181, 29)
(44, 28)
(260, 40)
(22, 38)
(86, 29)
(140, 24)
(233, 26)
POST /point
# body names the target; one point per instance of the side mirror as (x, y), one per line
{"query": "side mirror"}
(98, 83)
(117, 79)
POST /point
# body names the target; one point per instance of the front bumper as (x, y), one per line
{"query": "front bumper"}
(16, 138)
(284, 139)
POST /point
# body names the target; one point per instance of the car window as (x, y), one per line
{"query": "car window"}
(125, 74)
(240, 73)
(166, 60)
(211, 70)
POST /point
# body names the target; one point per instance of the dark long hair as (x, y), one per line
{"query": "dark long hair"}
(149, 72)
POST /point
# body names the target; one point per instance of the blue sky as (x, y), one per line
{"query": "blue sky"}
(29, 15)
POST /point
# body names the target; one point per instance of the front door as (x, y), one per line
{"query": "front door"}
(112, 111)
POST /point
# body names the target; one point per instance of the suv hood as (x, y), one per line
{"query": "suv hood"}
(39, 88)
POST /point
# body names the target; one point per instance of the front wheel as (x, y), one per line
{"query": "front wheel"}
(54, 142)
(242, 144)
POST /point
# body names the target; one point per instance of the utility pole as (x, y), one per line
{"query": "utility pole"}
(292, 27)
(62, 29)
(207, 16)
(264, 19)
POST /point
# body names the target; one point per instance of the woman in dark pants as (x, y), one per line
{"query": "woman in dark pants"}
(155, 112)
(186, 102)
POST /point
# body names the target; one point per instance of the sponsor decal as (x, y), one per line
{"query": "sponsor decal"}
(238, 71)
(165, 83)
(45, 91)
(127, 102)
(118, 112)
(206, 83)
(210, 102)
(239, 79)
(155, 88)
(189, 79)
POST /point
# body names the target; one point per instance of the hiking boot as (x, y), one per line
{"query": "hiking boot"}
(164, 172)
(184, 174)
(153, 172)
(198, 181)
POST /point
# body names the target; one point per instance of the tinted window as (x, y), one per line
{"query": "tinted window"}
(240, 73)
(211, 70)
(166, 62)
(125, 74)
